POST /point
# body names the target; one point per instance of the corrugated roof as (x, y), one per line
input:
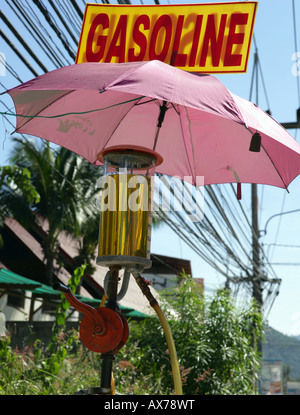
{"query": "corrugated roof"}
(34, 246)
(162, 264)
(9, 279)
(44, 290)
(24, 236)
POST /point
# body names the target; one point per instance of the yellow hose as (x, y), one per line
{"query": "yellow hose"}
(112, 385)
(144, 286)
(104, 298)
(168, 336)
(172, 349)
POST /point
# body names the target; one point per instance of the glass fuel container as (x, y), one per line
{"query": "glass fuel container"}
(125, 207)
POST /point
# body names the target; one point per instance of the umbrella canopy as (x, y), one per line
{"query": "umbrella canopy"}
(204, 129)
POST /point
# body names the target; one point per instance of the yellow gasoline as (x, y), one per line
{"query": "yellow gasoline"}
(125, 216)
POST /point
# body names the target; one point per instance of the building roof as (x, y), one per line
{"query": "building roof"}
(10, 280)
(24, 236)
(162, 264)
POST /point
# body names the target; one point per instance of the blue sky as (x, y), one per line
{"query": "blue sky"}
(274, 35)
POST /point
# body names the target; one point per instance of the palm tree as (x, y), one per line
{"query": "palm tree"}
(14, 179)
(66, 185)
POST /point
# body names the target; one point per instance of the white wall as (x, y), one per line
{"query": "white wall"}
(161, 281)
(22, 314)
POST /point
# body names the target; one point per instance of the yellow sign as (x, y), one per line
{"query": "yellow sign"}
(210, 38)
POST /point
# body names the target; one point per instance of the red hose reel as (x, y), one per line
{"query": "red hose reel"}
(102, 329)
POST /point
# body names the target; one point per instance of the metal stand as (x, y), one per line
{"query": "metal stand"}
(108, 358)
(125, 261)
(103, 330)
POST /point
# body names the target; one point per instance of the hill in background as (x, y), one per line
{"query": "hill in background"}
(278, 346)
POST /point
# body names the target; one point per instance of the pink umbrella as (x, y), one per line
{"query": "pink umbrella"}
(193, 121)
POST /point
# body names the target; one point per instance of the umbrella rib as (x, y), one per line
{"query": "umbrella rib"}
(175, 109)
(275, 168)
(285, 186)
(47, 106)
(146, 102)
(191, 138)
(192, 173)
(120, 121)
(67, 113)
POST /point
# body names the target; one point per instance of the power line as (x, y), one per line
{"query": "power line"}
(71, 16)
(36, 34)
(21, 40)
(54, 26)
(45, 34)
(20, 56)
(191, 232)
(77, 9)
(66, 26)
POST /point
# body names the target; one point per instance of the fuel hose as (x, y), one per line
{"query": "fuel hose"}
(167, 332)
(168, 335)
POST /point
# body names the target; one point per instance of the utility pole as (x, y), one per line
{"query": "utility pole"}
(257, 290)
(256, 267)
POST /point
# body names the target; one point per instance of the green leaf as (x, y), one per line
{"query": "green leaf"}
(60, 319)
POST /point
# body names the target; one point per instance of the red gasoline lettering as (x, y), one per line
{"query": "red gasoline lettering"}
(100, 20)
(139, 38)
(164, 39)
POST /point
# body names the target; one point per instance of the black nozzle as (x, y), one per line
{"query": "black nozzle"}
(58, 286)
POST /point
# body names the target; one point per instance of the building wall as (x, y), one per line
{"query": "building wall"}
(15, 313)
(21, 312)
(161, 281)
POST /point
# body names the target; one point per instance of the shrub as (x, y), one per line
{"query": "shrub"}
(214, 342)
